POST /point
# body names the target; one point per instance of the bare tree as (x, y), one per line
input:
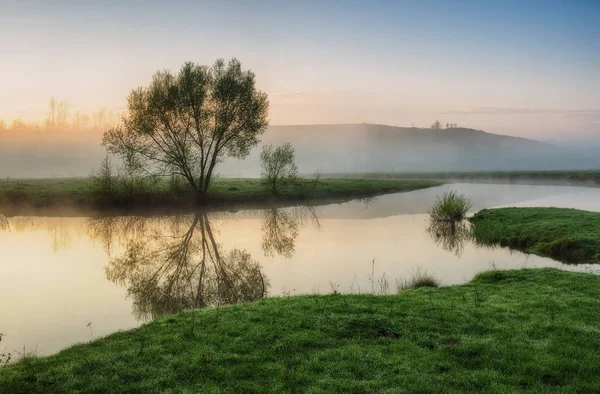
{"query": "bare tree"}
(52, 111)
(185, 124)
(81, 121)
(437, 125)
(62, 114)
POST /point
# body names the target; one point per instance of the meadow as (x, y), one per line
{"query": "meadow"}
(575, 177)
(567, 235)
(18, 194)
(504, 331)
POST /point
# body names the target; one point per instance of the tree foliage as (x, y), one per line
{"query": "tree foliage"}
(184, 124)
(278, 167)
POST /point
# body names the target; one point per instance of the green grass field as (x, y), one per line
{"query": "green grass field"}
(567, 235)
(506, 331)
(43, 193)
(575, 177)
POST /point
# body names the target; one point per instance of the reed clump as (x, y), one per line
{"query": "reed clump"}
(451, 207)
(418, 278)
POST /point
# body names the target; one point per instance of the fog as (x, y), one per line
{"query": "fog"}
(71, 152)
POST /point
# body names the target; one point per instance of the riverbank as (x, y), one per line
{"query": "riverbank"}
(24, 196)
(557, 178)
(504, 331)
(566, 235)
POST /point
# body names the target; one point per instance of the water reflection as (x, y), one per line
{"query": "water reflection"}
(448, 225)
(4, 225)
(111, 230)
(177, 265)
(61, 237)
(160, 260)
(172, 263)
(451, 236)
(280, 228)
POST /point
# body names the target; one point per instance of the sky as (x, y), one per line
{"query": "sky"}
(517, 67)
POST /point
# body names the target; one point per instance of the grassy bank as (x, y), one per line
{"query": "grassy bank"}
(567, 235)
(43, 193)
(573, 178)
(505, 331)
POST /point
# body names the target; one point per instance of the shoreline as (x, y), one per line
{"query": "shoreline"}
(519, 328)
(71, 196)
(571, 236)
(586, 178)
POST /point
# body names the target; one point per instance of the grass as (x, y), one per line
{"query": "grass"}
(573, 177)
(44, 193)
(451, 207)
(418, 278)
(566, 235)
(506, 331)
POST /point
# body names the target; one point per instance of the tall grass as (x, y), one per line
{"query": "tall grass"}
(487, 233)
(418, 278)
(125, 186)
(451, 207)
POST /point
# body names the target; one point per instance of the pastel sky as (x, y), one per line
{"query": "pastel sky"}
(519, 67)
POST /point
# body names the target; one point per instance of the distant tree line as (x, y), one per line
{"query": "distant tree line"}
(60, 116)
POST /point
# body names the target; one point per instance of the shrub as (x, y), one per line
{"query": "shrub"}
(103, 181)
(120, 186)
(492, 276)
(418, 278)
(278, 168)
(452, 207)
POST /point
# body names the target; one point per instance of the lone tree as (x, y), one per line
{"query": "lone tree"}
(278, 167)
(184, 124)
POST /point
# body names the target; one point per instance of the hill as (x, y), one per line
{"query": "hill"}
(380, 148)
(327, 148)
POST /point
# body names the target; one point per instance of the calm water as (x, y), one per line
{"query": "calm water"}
(67, 280)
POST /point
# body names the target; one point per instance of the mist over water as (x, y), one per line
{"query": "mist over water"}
(325, 148)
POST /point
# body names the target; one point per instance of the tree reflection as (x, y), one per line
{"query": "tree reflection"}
(57, 227)
(109, 229)
(4, 224)
(450, 235)
(280, 228)
(178, 266)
